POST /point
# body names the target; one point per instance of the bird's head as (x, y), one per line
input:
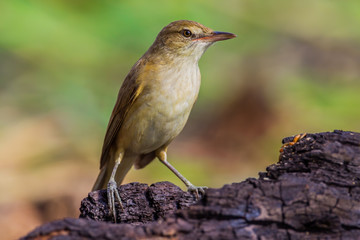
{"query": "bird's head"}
(187, 39)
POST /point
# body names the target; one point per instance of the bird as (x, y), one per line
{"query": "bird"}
(153, 105)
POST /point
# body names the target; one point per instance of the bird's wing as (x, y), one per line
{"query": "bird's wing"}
(128, 93)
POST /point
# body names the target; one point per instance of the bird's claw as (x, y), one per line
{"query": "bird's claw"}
(112, 193)
(196, 190)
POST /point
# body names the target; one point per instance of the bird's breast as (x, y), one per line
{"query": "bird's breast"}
(161, 112)
(177, 91)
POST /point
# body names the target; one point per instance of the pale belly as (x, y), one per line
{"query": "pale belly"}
(159, 116)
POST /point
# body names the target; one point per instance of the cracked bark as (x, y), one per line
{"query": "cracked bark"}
(313, 192)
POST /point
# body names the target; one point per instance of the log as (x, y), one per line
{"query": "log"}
(313, 192)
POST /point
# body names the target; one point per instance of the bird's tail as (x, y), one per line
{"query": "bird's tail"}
(105, 172)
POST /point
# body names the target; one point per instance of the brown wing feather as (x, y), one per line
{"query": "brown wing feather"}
(127, 95)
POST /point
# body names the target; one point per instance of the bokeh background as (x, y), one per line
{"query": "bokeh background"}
(294, 68)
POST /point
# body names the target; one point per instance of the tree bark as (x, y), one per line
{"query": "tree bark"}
(313, 192)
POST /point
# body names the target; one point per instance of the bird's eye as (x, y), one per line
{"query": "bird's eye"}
(186, 33)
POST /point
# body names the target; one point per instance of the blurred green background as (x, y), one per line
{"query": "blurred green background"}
(294, 67)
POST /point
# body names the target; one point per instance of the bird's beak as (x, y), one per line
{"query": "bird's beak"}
(216, 36)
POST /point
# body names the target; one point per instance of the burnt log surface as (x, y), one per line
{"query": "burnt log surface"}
(313, 192)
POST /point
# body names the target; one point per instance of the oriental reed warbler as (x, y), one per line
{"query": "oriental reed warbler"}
(153, 105)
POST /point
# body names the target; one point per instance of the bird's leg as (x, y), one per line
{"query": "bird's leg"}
(112, 190)
(162, 155)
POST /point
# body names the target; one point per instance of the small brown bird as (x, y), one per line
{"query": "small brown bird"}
(154, 103)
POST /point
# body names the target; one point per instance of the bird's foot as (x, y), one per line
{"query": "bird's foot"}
(295, 140)
(113, 195)
(196, 190)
